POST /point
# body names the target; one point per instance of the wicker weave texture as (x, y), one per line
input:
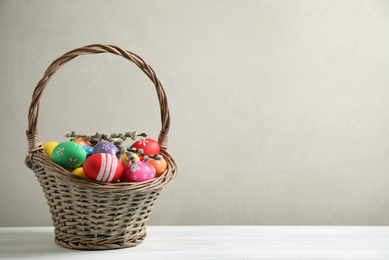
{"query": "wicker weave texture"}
(89, 214)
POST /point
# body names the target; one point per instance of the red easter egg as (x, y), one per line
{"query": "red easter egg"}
(149, 146)
(103, 167)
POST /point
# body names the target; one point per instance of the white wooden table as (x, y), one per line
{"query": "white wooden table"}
(214, 242)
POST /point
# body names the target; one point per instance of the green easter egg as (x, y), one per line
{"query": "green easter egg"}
(69, 155)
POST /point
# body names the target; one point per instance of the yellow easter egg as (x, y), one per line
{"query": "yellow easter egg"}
(79, 172)
(124, 158)
(49, 147)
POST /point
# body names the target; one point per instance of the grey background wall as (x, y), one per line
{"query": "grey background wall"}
(279, 108)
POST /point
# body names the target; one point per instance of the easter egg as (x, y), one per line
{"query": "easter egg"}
(88, 150)
(107, 147)
(49, 147)
(124, 156)
(144, 172)
(149, 146)
(82, 142)
(79, 172)
(159, 166)
(103, 167)
(69, 155)
(137, 156)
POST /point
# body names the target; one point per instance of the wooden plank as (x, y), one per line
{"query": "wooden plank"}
(215, 242)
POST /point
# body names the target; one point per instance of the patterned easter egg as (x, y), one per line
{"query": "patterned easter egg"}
(88, 150)
(79, 172)
(149, 146)
(160, 166)
(124, 158)
(107, 147)
(144, 172)
(103, 167)
(69, 155)
(83, 142)
(49, 147)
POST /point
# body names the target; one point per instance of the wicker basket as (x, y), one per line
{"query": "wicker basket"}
(89, 214)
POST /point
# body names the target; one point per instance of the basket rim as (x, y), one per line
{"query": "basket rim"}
(40, 159)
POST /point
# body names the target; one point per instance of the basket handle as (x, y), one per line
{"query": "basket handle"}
(34, 141)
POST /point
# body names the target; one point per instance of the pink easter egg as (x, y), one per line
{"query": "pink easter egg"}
(144, 172)
(103, 167)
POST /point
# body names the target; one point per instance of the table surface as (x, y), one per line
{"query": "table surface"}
(214, 242)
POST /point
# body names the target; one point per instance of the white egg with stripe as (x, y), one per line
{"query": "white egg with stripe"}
(103, 167)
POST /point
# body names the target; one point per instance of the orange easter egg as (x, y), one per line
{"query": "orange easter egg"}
(160, 166)
(82, 142)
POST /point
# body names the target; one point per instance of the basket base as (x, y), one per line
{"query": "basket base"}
(90, 246)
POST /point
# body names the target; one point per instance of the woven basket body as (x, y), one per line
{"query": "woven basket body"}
(89, 214)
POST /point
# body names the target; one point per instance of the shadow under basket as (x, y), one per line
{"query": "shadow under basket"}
(89, 214)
